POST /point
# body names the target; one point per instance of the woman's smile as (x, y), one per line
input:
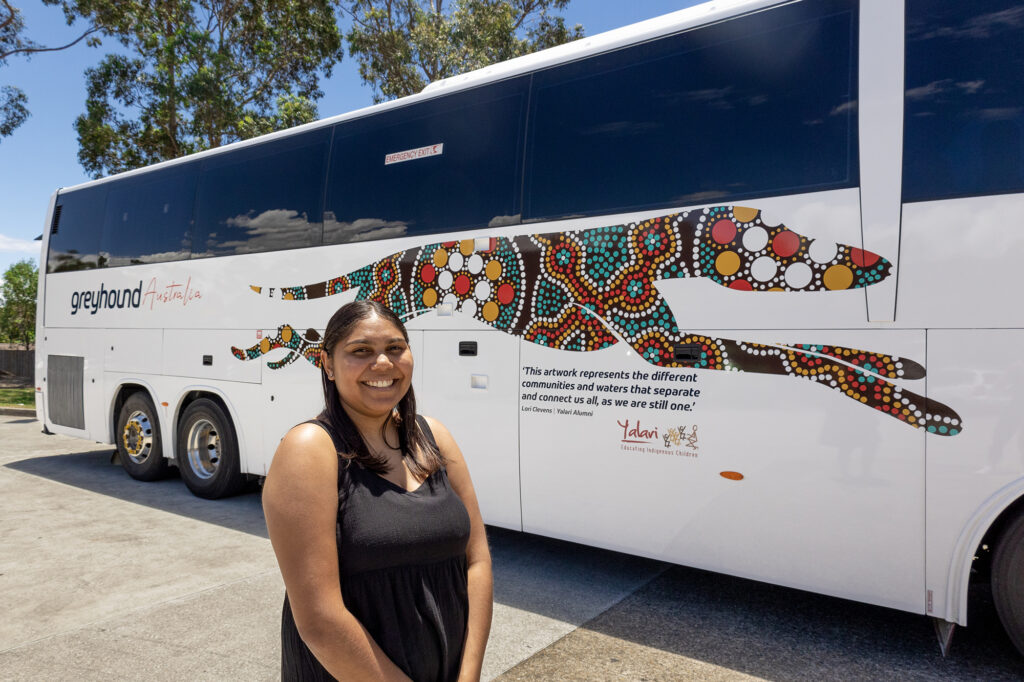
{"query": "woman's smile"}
(380, 383)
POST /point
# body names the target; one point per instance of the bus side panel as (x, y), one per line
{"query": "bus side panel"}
(87, 344)
(137, 351)
(769, 477)
(959, 265)
(476, 397)
(973, 476)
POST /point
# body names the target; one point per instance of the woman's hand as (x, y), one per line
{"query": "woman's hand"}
(478, 557)
(300, 502)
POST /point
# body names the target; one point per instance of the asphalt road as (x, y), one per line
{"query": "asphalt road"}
(103, 577)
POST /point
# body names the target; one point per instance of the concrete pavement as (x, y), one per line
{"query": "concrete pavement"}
(103, 577)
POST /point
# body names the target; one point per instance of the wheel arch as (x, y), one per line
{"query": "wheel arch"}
(117, 399)
(983, 529)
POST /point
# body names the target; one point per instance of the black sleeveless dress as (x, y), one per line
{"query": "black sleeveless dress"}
(402, 559)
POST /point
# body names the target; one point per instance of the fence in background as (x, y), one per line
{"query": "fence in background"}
(20, 363)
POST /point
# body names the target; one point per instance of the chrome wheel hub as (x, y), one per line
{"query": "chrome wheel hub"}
(203, 447)
(137, 437)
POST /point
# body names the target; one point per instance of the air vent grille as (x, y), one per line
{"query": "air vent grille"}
(56, 219)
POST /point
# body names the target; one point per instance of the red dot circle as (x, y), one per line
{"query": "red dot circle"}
(724, 231)
(863, 258)
(505, 294)
(786, 243)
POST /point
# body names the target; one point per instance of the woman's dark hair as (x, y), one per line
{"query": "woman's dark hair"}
(422, 457)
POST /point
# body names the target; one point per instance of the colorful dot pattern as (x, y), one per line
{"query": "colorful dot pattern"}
(734, 247)
(300, 345)
(585, 290)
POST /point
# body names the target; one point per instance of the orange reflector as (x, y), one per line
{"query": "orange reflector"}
(732, 475)
(164, 404)
(39, 388)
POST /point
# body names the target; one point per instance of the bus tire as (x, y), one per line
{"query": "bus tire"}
(138, 441)
(1008, 581)
(207, 451)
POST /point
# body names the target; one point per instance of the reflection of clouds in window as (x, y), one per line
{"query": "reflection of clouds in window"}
(361, 230)
(930, 90)
(844, 108)
(944, 85)
(970, 87)
(999, 113)
(721, 99)
(701, 197)
(981, 27)
(271, 230)
(113, 260)
(711, 98)
(503, 220)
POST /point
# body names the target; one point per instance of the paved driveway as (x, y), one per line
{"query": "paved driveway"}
(103, 577)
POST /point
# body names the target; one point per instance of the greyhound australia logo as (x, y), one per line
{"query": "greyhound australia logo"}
(150, 295)
(103, 297)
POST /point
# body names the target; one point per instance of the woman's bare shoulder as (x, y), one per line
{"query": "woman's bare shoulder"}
(306, 452)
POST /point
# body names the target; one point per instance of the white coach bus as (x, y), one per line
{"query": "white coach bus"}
(732, 288)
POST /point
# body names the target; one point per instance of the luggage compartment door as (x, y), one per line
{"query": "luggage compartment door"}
(475, 394)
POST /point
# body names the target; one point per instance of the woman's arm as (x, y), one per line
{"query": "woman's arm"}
(300, 502)
(478, 556)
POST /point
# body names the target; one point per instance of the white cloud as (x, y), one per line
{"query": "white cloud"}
(15, 245)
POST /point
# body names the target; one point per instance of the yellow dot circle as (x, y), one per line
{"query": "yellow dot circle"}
(265, 345)
(491, 311)
(429, 298)
(286, 333)
(466, 247)
(493, 270)
(744, 214)
(838, 277)
(727, 263)
(440, 258)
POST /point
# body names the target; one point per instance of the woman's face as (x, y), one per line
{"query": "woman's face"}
(371, 367)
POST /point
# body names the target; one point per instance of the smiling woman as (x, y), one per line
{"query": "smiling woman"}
(376, 527)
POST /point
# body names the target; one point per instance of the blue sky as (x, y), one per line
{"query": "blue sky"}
(42, 154)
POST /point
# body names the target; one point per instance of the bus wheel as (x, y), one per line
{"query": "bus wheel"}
(138, 439)
(208, 451)
(1008, 581)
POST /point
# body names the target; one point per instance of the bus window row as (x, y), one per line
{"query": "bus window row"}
(761, 105)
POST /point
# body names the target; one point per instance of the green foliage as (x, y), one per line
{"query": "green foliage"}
(13, 109)
(401, 45)
(198, 74)
(18, 300)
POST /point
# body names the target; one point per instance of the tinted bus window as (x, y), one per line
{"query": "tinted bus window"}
(262, 198)
(149, 218)
(445, 164)
(759, 105)
(76, 243)
(964, 105)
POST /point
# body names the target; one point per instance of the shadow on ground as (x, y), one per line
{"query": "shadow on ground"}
(93, 471)
(775, 633)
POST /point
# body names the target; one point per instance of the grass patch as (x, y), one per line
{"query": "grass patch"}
(17, 397)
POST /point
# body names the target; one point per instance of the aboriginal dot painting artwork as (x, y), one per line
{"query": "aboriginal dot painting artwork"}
(590, 289)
